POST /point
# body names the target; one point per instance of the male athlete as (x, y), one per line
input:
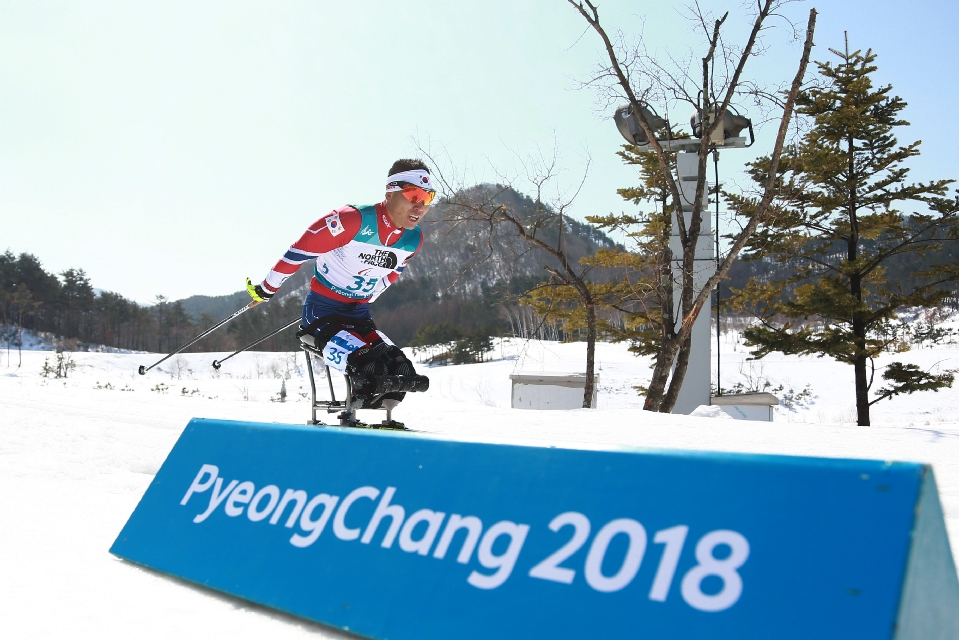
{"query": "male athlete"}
(359, 251)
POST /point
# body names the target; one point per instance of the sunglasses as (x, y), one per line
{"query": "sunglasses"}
(417, 195)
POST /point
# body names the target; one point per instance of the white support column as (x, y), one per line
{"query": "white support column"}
(695, 389)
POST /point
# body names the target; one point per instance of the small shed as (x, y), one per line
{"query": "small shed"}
(747, 406)
(550, 390)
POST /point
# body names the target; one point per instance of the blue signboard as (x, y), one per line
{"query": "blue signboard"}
(403, 536)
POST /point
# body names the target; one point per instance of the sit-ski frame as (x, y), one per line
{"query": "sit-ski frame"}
(346, 407)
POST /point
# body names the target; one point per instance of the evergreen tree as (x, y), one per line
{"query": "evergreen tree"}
(25, 305)
(160, 311)
(646, 292)
(473, 347)
(838, 224)
(76, 301)
(430, 334)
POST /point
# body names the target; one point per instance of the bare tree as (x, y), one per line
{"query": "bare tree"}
(24, 304)
(632, 75)
(543, 227)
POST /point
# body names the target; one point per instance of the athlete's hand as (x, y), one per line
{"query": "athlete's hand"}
(257, 292)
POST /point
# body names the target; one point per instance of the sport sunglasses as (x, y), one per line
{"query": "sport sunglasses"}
(416, 195)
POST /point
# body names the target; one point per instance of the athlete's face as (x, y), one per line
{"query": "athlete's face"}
(402, 212)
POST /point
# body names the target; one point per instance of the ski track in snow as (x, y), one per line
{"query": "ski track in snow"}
(74, 459)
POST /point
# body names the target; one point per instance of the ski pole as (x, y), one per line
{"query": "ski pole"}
(217, 363)
(252, 304)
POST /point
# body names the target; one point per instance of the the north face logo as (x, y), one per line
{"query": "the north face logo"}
(380, 258)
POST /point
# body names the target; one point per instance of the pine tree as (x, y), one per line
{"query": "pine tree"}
(838, 223)
(646, 293)
(24, 304)
(77, 301)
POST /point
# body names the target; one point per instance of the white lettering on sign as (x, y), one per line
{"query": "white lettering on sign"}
(385, 509)
(241, 495)
(210, 472)
(725, 569)
(314, 527)
(433, 519)
(417, 533)
(270, 491)
(504, 562)
(673, 538)
(597, 553)
(549, 568)
(473, 527)
(339, 522)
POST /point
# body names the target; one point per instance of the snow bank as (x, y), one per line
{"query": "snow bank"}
(708, 411)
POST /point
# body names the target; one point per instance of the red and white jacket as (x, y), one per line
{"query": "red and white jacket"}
(359, 253)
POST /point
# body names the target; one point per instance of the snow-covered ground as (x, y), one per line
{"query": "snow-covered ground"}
(76, 454)
(13, 341)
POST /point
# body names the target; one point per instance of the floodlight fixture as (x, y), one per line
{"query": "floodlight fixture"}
(733, 125)
(629, 126)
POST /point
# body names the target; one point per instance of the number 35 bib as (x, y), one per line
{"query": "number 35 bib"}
(360, 269)
(340, 346)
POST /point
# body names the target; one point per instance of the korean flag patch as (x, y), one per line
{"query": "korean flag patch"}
(334, 225)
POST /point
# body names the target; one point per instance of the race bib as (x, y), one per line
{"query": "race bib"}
(339, 348)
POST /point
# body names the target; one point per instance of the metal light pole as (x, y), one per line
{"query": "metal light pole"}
(696, 388)
(719, 380)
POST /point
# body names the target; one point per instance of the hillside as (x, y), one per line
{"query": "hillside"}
(900, 270)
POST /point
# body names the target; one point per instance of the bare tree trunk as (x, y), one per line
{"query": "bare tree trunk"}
(657, 386)
(590, 354)
(862, 383)
(571, 279)
(666, 351)
(679, 374)
(19, 340)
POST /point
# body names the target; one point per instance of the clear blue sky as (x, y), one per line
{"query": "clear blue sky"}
(177, 147)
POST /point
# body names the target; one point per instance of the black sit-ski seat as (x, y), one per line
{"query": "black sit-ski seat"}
(365, 389)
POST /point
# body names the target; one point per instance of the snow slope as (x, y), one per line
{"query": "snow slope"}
(77, 454)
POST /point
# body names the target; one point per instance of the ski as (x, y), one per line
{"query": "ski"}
(383, 426)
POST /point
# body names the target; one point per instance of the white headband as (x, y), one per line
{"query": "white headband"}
(417, 177)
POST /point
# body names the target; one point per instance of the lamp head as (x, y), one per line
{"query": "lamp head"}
(628, 123)
(733, 123)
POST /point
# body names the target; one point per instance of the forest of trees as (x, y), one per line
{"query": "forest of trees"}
(67, 306)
